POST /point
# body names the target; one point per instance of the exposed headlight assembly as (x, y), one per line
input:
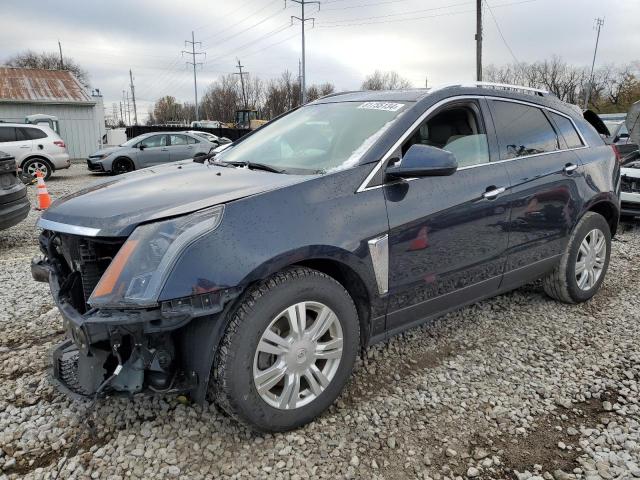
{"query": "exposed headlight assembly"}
(137, 274)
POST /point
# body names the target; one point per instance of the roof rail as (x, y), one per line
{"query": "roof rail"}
(505, 86)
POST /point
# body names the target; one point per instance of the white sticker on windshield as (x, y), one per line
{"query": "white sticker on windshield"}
(386, 106)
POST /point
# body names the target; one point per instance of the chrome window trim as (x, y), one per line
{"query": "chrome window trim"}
(364, 185)
(67, 228)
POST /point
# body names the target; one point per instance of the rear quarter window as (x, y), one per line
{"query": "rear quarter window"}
(33, 133)
(567, 131)
(522, 130)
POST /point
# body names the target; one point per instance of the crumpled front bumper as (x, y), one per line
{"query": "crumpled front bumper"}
(137, 340)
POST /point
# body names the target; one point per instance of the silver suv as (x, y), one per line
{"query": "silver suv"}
(148, 150)
(35, 147)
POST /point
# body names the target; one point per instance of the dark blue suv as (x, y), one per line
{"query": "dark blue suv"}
(254, 278)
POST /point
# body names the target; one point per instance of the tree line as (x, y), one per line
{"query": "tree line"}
(270, 98)
(613, 88)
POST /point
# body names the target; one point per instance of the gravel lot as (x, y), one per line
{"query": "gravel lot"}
(515, 387)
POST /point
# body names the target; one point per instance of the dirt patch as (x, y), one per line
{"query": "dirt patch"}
(540, 446)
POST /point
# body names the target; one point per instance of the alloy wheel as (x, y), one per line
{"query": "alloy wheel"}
(36, 165)
(591, 259)
(298, 355)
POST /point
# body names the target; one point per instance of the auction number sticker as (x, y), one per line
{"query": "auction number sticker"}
(386, 106)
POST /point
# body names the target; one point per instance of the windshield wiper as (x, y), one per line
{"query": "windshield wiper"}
(256, 166)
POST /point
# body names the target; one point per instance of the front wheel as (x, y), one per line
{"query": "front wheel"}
(122, 165)
(287, 352)
(583, 265)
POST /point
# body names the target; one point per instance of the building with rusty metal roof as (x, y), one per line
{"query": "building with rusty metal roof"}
(28, 91)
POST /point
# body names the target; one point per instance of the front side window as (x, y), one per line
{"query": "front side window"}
(457, 129)
(192, 141)
(7, 134)
(567, 131)
(317, 138)
(155, 141)
(178, 140)
(522, 130)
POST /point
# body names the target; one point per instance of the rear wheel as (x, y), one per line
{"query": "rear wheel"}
(287, 352)
(584, 264)
(32, 165)
(122, 165)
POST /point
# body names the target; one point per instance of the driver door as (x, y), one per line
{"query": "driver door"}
(448, 234)
(155, 151)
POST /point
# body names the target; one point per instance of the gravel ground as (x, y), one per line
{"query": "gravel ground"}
(515, 387)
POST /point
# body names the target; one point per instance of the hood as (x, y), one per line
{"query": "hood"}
(106, 151)
(116, 206)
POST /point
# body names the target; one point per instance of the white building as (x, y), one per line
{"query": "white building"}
(25, 91)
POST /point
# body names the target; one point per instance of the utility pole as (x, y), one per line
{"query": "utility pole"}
(193, 62)
(61, 61)
(133, 96)
(242, 74)
(303, 20)
(479, 40)
(598, 25)
(121, 116)
(300, 81)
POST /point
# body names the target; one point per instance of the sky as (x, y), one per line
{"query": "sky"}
(422, 40)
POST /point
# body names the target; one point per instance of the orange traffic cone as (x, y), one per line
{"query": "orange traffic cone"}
(44, 199)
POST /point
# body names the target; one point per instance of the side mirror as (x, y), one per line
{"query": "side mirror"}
(424, 161)
(142, 146)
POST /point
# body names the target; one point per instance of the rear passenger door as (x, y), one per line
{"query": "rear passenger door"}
(543, 173)
(14, 142)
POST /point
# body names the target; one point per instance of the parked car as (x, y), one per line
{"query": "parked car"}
(206, 124)
(34, 147)
(148, 150)
(630, 186)
(14, 203)
(257, 278)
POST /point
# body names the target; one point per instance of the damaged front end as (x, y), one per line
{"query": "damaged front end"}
(118, 331)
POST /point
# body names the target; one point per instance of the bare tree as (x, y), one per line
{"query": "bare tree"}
(167, 109)
(48, 61)
(385, 81)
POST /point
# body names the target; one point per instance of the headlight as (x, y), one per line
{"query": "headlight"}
(100, 157)
(138, 272)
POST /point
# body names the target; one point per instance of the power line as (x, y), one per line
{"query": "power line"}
(444, 14)
(193, 54)
(303, 20)
(506, 44)
(252, 15)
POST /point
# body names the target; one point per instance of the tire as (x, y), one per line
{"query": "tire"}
(563, 283)
(122, 165)
(30, 166)
(266, 307)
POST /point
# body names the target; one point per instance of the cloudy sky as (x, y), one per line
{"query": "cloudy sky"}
(419, 39)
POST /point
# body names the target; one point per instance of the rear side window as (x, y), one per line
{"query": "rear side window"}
(178, 140)
(7, 134)
(522, 130)
(32, 133)
(567, 130)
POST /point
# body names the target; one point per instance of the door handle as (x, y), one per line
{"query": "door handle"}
(164, 149)
(24, 146)
(570, 167)
(492, 194)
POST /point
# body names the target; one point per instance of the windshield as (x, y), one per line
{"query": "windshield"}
(317, 138)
